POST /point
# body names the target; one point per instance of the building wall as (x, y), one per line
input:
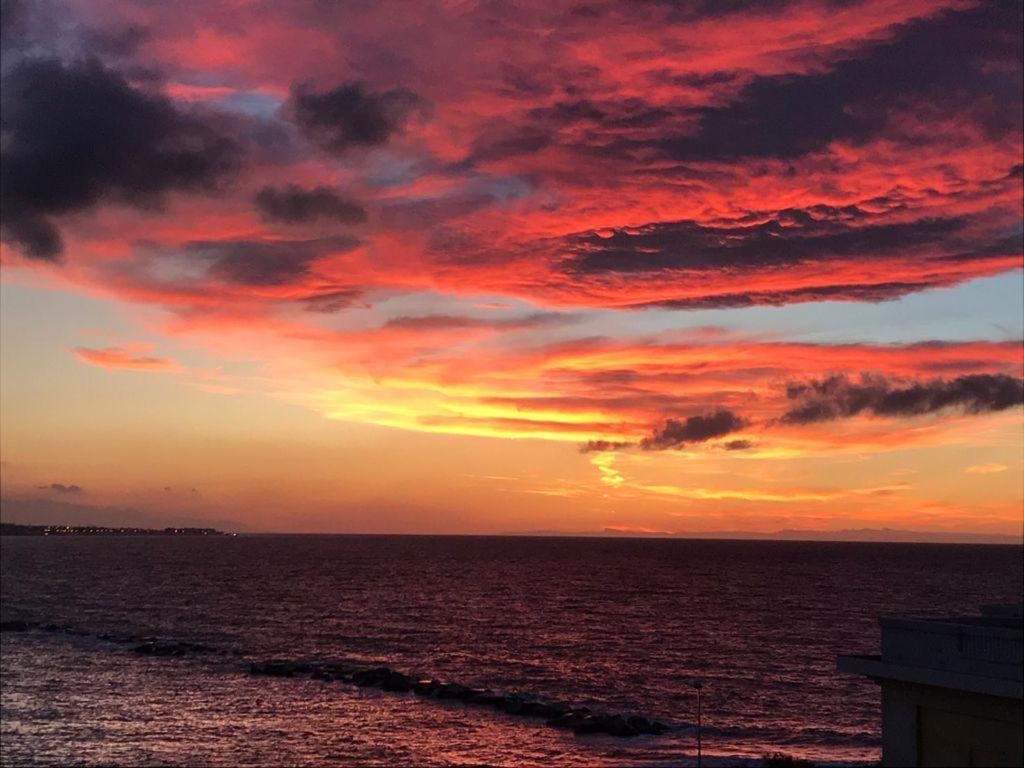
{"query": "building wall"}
(925, 726)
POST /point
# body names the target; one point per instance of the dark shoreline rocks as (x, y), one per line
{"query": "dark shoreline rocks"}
(556, 714)
(145, 645)
(158, 648)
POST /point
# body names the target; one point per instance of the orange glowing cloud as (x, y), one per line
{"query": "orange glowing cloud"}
(126, 358)
(985, 469)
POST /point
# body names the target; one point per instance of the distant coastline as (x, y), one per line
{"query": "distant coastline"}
(857, 535)
(16, 529)
(854, 535)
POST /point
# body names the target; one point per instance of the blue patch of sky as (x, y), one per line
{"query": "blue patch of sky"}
(253, 103)
(42, 325)
(985, 309)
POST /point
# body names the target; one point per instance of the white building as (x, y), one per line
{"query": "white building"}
(951, 689)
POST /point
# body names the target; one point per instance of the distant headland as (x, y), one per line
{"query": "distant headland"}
(16, 529)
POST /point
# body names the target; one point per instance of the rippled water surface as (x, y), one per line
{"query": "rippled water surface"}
(620, 625)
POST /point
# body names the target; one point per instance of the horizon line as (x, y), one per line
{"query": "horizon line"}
(844, 536)
(977, 538)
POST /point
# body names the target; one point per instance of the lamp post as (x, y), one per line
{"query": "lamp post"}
(698, 685)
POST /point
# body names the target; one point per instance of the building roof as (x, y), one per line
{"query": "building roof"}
(981, 654)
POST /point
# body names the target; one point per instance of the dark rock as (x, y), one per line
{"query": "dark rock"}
(643, 725)
(559, 708)
(487, 698)
(639, 724)
(426, 687)
(369, 678)
(397, 682)
(453, 691)
(541, 709)
(617, 725)
(14, 626)
(514, 704)
(156, 648)
(567, 720)
(580, 720)
(585, 724)
(340, 672)
(272, 669)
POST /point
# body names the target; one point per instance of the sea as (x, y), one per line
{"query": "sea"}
(616, 625)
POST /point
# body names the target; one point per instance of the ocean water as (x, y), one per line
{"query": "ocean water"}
(615, 624)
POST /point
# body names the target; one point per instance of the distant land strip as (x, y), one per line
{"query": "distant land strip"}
(16, 529)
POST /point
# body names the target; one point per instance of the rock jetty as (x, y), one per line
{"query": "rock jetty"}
(557, 714)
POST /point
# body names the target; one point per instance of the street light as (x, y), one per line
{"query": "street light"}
(697, 685)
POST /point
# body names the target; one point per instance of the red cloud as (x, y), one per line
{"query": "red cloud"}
(621, 159)
(808, 153)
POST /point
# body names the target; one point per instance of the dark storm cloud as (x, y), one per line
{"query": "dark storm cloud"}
(456, 322)
(955, 60)
(332, 301)
(61, 488)
(120, 43)
(837, 397)
(499, 141)
(266, 262)
(540, 128)
(12, 20)
(695, 429)
(621, 113)
(602, 446)
(292, 204)
(569, 112)
(352, 116)
(790, 237)
(519, 83)
(738, 445)
(75, 134)
(695, 10)
(868, 292)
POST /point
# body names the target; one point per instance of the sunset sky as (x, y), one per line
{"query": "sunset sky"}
(482, 267)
